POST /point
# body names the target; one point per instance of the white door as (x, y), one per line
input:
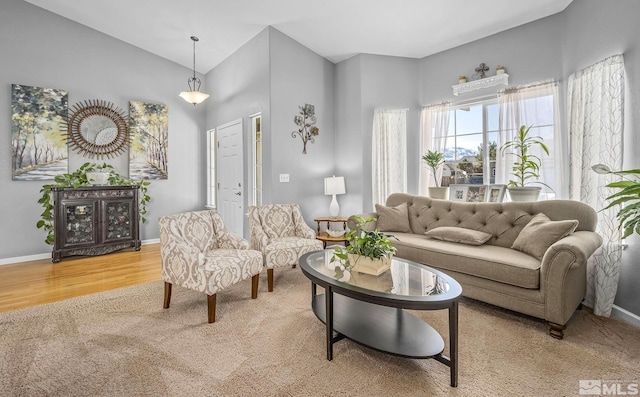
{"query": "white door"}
(230, 169)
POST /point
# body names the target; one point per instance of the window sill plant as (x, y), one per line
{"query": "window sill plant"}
(434, 161)
(367, 251)
(526, 166)
(80, 178)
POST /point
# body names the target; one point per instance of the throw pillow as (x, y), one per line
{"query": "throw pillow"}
(459, 235)
(393, 219)
(540, 233)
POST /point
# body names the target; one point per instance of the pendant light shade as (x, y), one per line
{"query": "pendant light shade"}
(194, 95)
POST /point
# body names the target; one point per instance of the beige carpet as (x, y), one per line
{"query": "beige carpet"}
(122, 343)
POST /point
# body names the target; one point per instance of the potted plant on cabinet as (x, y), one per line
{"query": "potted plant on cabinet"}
(526, 166)
(366, 251)
(434, 161)
(628, 198)
(87, 174)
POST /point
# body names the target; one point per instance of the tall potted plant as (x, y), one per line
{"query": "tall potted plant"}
(434, 161)
(628, 198)
(526, 166)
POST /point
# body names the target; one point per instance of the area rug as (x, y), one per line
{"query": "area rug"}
(122, 343)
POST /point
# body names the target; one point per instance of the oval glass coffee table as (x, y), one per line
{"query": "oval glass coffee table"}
(368, 309)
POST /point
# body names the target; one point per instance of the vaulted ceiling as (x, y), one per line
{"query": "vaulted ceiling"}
(335, 29)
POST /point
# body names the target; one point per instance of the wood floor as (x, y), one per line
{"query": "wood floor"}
(34, 283)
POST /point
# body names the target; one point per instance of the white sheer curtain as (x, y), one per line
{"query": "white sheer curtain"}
(434, 128)
(389, 153)
(533, 105)
(595, 114)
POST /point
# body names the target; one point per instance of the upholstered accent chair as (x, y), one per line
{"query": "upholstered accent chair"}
(280, 233)
(198, 252)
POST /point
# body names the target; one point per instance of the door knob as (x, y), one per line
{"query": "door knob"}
(238, 193)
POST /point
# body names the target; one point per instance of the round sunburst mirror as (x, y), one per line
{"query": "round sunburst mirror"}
(97, 128)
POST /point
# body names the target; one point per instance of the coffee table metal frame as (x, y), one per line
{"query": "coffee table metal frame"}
(376, 319)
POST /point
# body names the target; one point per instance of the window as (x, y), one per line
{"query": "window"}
(211, 168)
(256, 159)
(471, 145)
(472, 137)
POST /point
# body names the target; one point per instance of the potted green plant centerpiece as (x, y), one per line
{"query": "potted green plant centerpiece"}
(434, 161)
(366, 251)
(526, 165)
(628, 198)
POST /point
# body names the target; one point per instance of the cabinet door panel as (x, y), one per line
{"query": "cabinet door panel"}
(79, 226)
(118, 219)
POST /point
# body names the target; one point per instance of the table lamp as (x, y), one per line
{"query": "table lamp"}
(332, 186)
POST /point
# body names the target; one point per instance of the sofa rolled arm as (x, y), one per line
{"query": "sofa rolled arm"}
(580, 244)
(563, 274)
(352, 223)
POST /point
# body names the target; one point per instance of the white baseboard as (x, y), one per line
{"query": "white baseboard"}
(37, 257)
(625, 315)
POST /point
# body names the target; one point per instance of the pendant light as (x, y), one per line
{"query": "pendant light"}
(194, 95)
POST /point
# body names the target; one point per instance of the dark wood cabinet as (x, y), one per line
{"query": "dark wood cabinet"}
(95, 220)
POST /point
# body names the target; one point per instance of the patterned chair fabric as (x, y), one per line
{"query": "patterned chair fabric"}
(198, 252)
(281, 234)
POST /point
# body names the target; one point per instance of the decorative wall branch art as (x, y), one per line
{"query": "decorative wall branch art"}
(97, 128)
(38, 147)
(149, 140)
(306, 121)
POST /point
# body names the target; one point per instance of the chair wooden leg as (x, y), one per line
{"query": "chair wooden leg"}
(254, 286)
(167, 294)
(270, 279)
(211, 308)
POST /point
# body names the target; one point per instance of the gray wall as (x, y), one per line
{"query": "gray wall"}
(364, 83)
(42, 49)
(594, 30)
(239, 88)
(274, 74)
(299, 76)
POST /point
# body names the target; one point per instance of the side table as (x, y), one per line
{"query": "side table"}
(324, 236)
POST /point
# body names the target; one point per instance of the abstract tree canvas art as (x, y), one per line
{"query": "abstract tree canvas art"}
(38, 140)
(149, 126)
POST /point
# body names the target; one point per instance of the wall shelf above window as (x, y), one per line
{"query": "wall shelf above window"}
(481, 83)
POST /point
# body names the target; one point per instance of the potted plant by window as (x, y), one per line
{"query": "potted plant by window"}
(628, 198)
(366, 251)
(526, 165)
(434, 161)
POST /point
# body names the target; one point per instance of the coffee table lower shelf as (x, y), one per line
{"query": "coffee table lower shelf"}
(386, 329)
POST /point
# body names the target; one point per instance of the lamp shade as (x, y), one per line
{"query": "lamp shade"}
(194, 97)
(334, 185)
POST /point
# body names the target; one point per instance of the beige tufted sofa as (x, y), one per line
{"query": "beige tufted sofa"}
(550, 287)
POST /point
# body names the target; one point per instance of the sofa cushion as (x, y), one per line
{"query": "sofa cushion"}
(393, 219)
(504, 265)
(540, 233)
(459, 235)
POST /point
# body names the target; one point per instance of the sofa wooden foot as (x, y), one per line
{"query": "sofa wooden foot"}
(167, 295)
(211, 308)
(556, 330)
(254, 286)
(270, 279)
